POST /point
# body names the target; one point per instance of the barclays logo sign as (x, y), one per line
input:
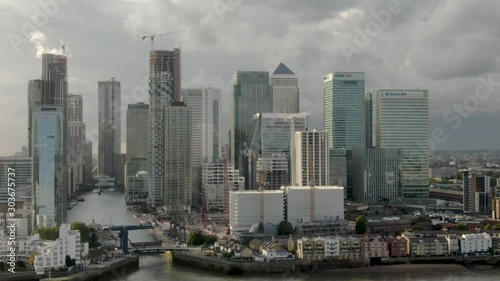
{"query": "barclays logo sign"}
(396, 94)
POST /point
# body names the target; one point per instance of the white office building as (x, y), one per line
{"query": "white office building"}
(475, 243)
(311, 158)
(244, 208)
(215, 193)
(328, 204)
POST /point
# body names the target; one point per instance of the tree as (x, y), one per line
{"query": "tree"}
(31, 261)
(488, 227)
(68, 261)
(93, 241)
(48, 233)
(84, 231)
(497, 226)
(195, 238)
(361, 222)
(285, 228)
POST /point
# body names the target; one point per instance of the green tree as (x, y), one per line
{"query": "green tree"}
(68, 261)
(195, 238)
(285, 228)
(488, 227)
(462, 226)
(210, 239)
(93, 241)
(497, 226)
(361, 224)
(84, 231)
(48, 233)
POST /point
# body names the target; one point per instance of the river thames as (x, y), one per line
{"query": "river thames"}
(110, 208)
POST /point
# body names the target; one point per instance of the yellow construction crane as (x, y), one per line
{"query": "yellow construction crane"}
(311, 181)
(152, 37)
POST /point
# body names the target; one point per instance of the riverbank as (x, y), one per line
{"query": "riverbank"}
(118, 269)
(229, 267)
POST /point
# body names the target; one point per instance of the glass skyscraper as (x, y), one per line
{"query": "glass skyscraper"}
(49, 194)
(251, 94)
(109, 146)
(285, 87)
(344, 109)
(400, 119)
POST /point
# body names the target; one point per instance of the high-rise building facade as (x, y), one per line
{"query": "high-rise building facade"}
(76, 139)
(275, 168)
(285, 89)
(37, 94)
(164, 87)
(477, 192)
(137, 148)
(109, 146)
(49, 193)
(312, 158)
(88, 177)
(177, 191)
(22, 168)
(215, 193)
(251, 94)
(400, 119)
(344, 109)
(377, 174)
(206, 109)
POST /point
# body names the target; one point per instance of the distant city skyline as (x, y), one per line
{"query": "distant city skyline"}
(450, 74)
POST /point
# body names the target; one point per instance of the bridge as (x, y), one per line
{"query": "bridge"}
(124, 229)
(158, 249)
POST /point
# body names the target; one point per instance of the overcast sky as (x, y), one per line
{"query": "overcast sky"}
(442, 46)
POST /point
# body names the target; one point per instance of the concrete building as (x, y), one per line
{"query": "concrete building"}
(351, 248)
(311, 148)
(332, 247)
(109, 120)
(400, 119)
(475, 243)
(76, 140)
(344, 109)
(206, 109)
(285, 88)
(496, 203)
(177, 151)
(477, 193)
(244, 210)
(377, 174)
(22, 168)
(49, 196)
(427, 246)
(137, 151)
(87, 159)
(338, 169)
(215, 194)
(251, 94)
(276, 168)
(444, 172)
(328, 204)
(165, 85)
(453, 244)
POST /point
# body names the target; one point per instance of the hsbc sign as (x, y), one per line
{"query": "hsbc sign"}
(342, 75)
(349, 76)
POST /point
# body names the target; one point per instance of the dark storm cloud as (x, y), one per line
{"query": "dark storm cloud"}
(443, 46)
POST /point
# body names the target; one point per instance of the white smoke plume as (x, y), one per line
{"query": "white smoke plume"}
(39, 40)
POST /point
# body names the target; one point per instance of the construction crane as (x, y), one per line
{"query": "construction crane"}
(262, 184)
(311, 182)
(152, 37)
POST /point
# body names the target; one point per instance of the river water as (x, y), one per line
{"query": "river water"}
(110, 208)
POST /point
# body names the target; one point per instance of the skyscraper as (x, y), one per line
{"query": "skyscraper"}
(400, 119)
(164, 84)
(177, 191)
(377, 174)
(312, 158)
(205, 107)
(55, 71)
(251, 94)
(22, 166)
(109, 146)
(88, 177)
(344, 109)
(137, 144)
(49, 193)
(477, 192)
(285, 89)
(76, 139)
(37, 94)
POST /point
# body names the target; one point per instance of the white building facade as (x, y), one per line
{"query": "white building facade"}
(311, 148)
(215, 193)
(475, 243)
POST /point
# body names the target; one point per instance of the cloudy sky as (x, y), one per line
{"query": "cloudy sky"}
(447, 47)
